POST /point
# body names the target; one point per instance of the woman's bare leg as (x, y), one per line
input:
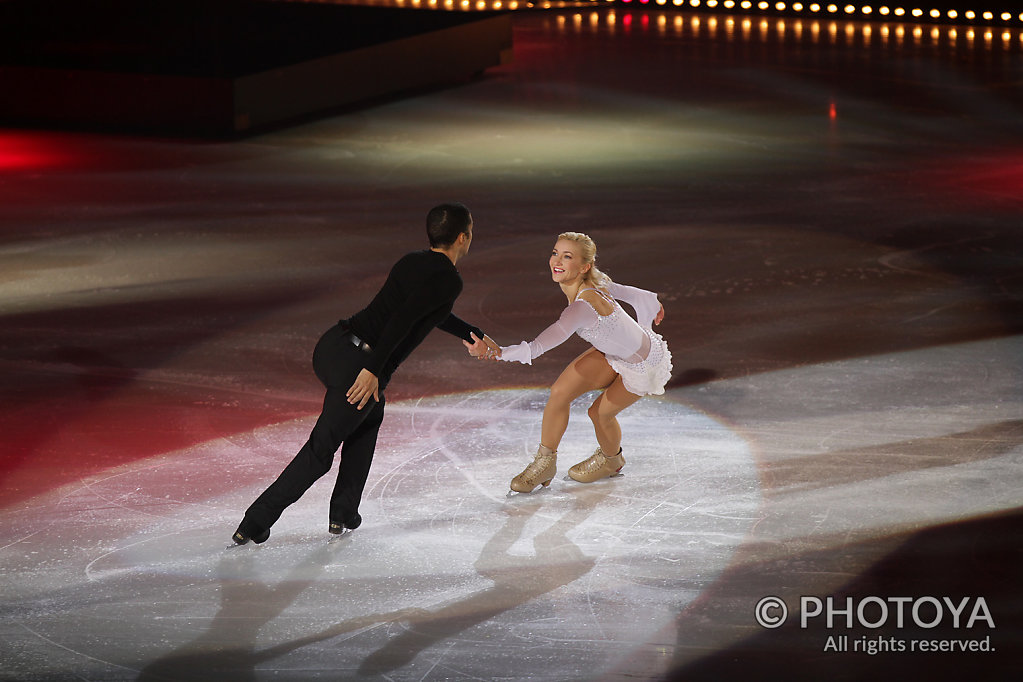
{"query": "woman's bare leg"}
(588, 372)
(604, 415)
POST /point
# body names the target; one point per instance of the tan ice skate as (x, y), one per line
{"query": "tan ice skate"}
(539, 472)
(597, 466)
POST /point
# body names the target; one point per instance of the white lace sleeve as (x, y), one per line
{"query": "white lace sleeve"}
(645, 302)
(576, 316)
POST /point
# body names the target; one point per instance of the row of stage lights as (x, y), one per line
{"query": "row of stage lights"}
(830, 30)
(845, 10)
(810, 9)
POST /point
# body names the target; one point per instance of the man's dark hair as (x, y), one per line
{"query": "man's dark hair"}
(445, 222)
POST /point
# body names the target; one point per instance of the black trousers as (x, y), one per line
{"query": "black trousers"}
(337, 362)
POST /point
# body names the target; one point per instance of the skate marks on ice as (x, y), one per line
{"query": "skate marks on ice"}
(447, 577)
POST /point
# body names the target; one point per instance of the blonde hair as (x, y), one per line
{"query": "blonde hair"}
(589, 256)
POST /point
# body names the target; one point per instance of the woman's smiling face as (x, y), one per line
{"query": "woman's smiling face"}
(567, 262)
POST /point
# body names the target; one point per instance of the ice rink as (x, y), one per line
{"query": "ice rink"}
(832, 216)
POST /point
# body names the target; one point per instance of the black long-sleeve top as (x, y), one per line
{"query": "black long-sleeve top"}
(417, 296)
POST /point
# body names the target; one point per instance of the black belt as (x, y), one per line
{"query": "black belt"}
(359, 343)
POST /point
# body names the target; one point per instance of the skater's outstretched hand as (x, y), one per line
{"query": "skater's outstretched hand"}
(482, 349)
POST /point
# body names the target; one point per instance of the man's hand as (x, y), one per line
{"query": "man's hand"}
(482, 349)
(659, 316)
(366, 386)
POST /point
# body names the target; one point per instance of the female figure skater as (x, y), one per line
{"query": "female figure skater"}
(628, 360)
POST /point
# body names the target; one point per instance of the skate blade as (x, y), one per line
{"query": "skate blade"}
(338, 537)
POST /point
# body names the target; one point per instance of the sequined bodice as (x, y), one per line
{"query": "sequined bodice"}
(616, 334)
(603, 330)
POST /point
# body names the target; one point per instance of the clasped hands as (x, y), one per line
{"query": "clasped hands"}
(482, 349)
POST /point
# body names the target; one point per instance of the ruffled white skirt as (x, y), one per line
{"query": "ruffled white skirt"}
(649, 376)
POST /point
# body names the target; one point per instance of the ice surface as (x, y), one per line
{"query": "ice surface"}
(449, 576)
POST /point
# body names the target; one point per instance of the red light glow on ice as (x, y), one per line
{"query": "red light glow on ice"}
(27, 151)
(980, 178)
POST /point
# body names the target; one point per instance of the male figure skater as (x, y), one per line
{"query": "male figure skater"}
(356, 358)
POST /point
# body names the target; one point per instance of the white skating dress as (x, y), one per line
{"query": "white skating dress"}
(632, 348)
